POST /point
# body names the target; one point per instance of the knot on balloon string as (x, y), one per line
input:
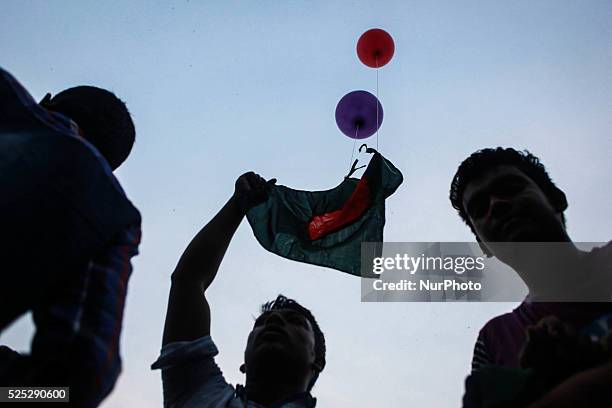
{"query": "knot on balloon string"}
(368, 149)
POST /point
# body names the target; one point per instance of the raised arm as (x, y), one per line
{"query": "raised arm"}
(188, 314)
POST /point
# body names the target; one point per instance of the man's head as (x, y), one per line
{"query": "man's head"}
(103, 118)
(507, 196)
(286, 342)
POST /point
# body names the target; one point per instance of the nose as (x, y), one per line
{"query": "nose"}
(498, 207)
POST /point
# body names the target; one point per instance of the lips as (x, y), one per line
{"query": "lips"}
(509, 228)
(509, 225)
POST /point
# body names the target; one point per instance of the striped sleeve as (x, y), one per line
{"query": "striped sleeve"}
(77, 336)
(97, 339)
(481, 356)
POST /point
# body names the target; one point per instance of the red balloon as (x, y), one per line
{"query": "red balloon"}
(375, 48)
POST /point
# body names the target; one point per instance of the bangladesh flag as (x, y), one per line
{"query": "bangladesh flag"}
(327, 228)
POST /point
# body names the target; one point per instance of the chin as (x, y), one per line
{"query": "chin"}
(273, 363)
(531, 234)
(527, 235)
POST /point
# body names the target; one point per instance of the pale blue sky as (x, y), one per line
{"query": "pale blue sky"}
(217, 89)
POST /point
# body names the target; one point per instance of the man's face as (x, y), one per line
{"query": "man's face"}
(505, 205)
(280, 340)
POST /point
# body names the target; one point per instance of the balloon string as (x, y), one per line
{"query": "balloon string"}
(377, 99)
(353, 151)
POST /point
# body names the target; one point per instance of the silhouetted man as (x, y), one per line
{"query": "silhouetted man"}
(507, 196)
(68, 234)
(285, 350)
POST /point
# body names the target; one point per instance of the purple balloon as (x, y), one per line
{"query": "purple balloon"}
(356, 114)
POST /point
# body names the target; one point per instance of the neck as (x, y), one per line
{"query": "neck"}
(268, 393)
(551, 271)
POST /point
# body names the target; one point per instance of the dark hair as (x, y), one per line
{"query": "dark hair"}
(483, 160)
(281, 302)
(103, 118)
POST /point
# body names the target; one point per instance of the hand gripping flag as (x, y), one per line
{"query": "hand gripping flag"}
(327, 228)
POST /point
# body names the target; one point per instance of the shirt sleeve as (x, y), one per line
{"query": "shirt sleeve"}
(481, 356)
(190, 375)
(77, 337)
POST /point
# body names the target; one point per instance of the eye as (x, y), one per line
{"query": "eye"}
(477, 207)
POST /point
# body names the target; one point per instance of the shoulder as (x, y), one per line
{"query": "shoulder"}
(504, 322)
(485, 346)
(182, 352)
(495, 328)
(502, 338)
(190, 375)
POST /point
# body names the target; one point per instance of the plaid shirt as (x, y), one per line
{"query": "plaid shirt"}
(76, 342)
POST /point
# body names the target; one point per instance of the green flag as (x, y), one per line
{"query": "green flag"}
(327, 228)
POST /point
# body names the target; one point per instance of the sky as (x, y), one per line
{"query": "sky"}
(220, 88)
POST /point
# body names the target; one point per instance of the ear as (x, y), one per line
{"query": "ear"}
(560, 203)
(242, 368)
